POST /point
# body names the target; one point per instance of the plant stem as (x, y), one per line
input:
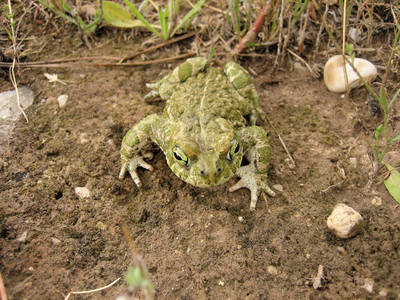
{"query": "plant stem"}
(12, 68)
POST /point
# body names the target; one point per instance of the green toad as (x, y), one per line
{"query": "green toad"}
(207, 127)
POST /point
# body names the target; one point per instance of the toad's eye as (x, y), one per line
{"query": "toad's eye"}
(180, 156)
(235, 148)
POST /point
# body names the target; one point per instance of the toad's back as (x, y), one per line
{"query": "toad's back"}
(204, 98)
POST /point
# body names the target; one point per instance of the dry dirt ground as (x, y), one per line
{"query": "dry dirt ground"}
(192, 239)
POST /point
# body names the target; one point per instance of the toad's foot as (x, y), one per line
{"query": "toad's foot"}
(255, 182)
(131, 164)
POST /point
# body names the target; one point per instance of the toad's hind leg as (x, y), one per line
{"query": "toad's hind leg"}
(166, 86)
(244, 85)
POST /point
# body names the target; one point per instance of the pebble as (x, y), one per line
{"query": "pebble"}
(272, 270)
(278, 187)
(55, 241)
(22, 237)
(241, 219)
(377, 201)
(368, 285)
(62, 100)
(353, 162)
(335, 78)
(344, 221)
(9, 111)
(82, 192)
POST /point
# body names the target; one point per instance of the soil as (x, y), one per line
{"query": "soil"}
(196, 243)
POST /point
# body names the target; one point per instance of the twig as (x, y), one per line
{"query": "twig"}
(346, 76)
(303, 29)
(92, 291)
(321, 27)
(3, 294)
(171, 41)
(12, 68)
(282, 142)
(304, 62)
(255, 28)
(80, 64)
(317, 282)
(278, 53)
(210, 7)
(326, 26)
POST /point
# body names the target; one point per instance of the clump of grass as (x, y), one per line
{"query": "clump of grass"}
(70, 14)
(383, 139)
(168, 18)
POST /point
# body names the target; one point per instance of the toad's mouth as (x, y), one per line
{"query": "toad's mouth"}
(206, 183)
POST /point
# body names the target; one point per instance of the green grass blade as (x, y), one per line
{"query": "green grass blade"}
(383, 100)
(189, 16)
(140, 17)
(394, 98)
(396, 138)
(58, 12)
(392, 184)
(163, 15)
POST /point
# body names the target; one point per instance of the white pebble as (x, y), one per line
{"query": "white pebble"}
(377, 201)
(272, 270)
(344, 221)
(241, 219)
(82, 192)
(55, 241)
(368, 285)
(278, 187)
(22, 237)
(335, 78)
(62, 100)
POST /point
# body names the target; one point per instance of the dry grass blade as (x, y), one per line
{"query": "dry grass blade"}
(92, 291)
(94, 65)
(12, 67)
(255, 28)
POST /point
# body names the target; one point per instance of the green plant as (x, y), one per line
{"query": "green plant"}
(233, 16)
(12, 34)
(167, 18)
(137, 278)
(69, 14)
(383, 139)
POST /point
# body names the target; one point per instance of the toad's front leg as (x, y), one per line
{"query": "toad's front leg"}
(254, 175)
(143, 133)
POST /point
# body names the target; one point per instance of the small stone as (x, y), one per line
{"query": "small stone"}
(55, 241)
(353, 162)
(368, 285)
(278, 187)
(100, 225)
(383, 293)
(221, 283)
(344, 221)
(377, 201)
(272, 270)
(62, 100)
(9, 110)
(82, 192)
(241, 219)
(22, 237)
